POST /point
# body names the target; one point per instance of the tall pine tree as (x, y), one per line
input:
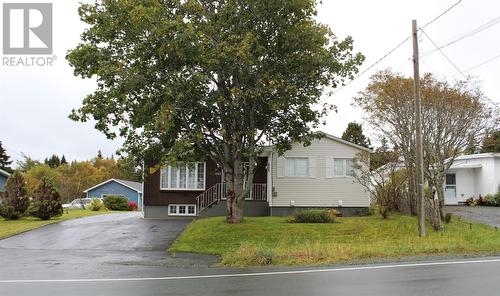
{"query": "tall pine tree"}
(4, 160)
(354, 134)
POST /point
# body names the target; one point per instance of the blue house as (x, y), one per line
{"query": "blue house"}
(117, 187)
(3, 179)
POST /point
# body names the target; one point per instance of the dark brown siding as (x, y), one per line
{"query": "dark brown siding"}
(153, 196)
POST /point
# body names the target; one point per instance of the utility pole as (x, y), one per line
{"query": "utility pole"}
(418, 122)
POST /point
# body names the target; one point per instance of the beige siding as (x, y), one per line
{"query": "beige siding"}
(318, 189)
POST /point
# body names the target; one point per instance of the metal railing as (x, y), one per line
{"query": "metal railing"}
(218, 192)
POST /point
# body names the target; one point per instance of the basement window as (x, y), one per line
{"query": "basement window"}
(182, 210)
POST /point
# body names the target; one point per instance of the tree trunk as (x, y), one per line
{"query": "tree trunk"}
(235, 193)
(440, 193)
(412, 190)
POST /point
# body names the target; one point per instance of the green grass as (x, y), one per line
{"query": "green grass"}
(266, 240)
(13, 227)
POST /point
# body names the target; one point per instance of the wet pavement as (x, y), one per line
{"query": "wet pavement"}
(115, 244)
(486, 215)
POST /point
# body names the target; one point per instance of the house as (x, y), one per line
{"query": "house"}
(3, 179)
(472, 175)
(316, 176)
(117, 187)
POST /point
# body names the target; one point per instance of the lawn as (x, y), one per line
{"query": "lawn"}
(13, 227)
(271, 240)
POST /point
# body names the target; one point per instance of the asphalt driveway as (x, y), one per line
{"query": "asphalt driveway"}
(486, 215)
(112, 244)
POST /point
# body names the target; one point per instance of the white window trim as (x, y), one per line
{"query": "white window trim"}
(169, 168)
(344, 167)
(177, 210)
(307, 175)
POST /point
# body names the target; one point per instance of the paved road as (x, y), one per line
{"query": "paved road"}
(457, 279)
(120, 254)
(486, 215)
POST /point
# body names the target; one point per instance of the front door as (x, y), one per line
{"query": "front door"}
(450, 190)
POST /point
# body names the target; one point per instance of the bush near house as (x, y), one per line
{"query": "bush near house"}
(492, 200)
(15, 201)
(116, 203)
(95, 205)
(132, 206)
(314, 216)
(46, 201)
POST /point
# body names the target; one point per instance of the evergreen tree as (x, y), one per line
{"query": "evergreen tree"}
(46, 201)
(491, 142)
(16, 201)
(63, 160)
(99, 154)
(4, 159)
(53, 161)
(354, 134)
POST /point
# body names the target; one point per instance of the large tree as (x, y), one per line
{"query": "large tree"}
(354, 134)
(185, 79)
(4, 159)
(491, 142)
(451, 115)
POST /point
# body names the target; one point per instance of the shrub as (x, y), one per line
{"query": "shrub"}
(132, 206)
(15, 201)
(447, 218)
(95, 205)
(490, 200)
(46, 201)
(471, 202)
(116, 203)
(313, 216)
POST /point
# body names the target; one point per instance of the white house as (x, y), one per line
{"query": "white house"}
(471, 176)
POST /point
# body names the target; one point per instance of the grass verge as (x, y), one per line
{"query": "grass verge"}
(13, 227)
(271, 240)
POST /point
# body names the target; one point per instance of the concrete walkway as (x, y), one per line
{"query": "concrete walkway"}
(486, 215)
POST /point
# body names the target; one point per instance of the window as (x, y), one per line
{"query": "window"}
(343, 167)
(182, 210)
(297, 167)
(184, 177)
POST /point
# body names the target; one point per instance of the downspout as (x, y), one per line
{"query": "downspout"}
(270, 182)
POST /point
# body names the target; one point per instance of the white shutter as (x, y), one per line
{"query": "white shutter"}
(312, 167)
(280, 167)
(329, 167)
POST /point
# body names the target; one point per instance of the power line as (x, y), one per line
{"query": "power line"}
(444, 55)
(475, 31)
(395, 48)
(483, 63)
(443, 13)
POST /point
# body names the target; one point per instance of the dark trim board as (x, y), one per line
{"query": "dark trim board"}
(345, 211)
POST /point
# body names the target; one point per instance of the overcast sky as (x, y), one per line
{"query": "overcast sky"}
(35, 102)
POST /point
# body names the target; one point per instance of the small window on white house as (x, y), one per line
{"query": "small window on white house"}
(182, 210)
(297, 167)
(343, 167)
(184, 177)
